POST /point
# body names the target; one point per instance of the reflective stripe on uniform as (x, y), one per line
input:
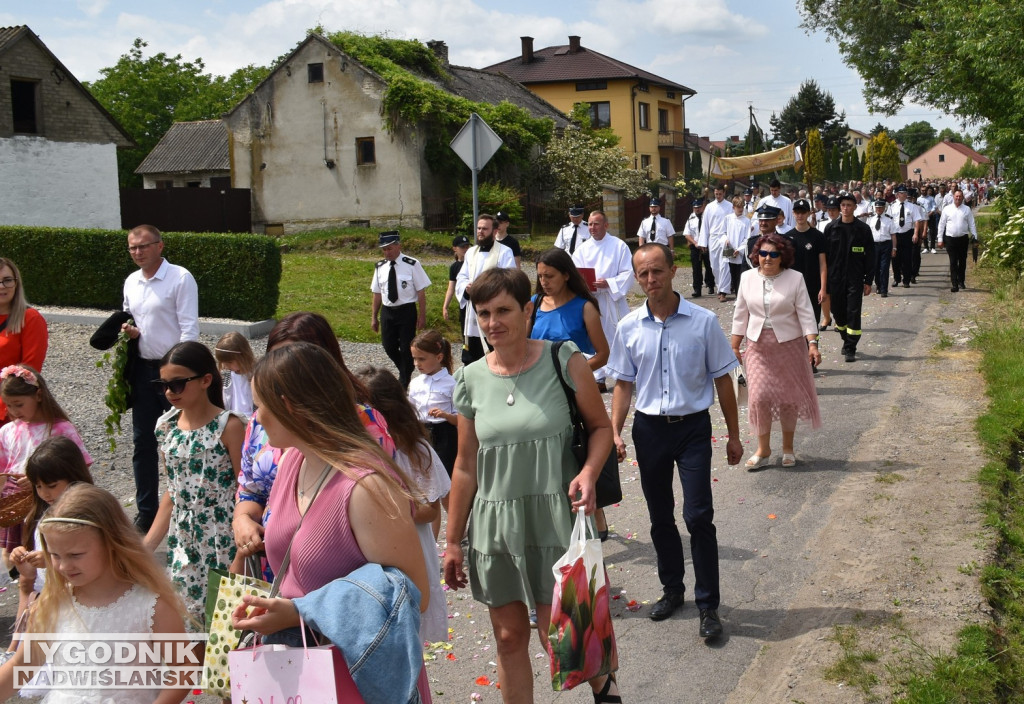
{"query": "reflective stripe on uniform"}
(852, 332)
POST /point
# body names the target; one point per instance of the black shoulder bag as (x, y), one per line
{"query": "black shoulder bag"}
(607, 487)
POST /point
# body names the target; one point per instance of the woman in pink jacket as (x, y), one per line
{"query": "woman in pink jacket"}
(773, 311)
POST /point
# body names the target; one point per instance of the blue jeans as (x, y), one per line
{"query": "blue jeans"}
(883, 253)
(662, 446)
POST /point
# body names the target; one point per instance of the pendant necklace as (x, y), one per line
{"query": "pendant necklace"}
(303, 490)
(511, 399)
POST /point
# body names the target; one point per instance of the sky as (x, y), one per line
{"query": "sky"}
(734, 53)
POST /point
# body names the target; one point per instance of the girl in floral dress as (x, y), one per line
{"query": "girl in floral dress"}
(201, 446)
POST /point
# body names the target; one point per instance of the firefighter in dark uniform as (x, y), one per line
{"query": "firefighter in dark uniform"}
(851, 260)
(399, 302)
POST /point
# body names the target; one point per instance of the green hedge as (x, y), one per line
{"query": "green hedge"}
(238, 274)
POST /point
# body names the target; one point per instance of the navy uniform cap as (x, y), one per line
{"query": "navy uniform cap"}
(654, 202)
(748, 192)
(880, 203)
(832, 202)
(389, 237)
(697, 202)
(460, 241)
(802, 205)
(847, 196)
(576, 211)
(901, 188)
(768, 212)
(820, 197)
(502, 216)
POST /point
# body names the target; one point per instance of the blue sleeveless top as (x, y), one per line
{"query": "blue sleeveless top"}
(563, 323)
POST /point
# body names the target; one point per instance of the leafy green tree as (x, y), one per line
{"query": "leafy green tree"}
(810, 108)
(754, 143)
(964, 59)
(971, 170)
(954, 136)
(879, 127)
(834, 167)
(814, 159)
(576, 164)
(916, 138)
(881, 159)
(146, 94)
(696, 166)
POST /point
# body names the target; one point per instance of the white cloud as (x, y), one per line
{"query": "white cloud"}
(92, 8)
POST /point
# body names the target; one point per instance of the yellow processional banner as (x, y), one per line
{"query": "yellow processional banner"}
(787, 157)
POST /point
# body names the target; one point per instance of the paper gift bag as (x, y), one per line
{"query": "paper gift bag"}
(224, 593)
(278, 673)
(581, 642)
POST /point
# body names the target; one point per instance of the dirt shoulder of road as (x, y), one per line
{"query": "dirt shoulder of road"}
(900, 556)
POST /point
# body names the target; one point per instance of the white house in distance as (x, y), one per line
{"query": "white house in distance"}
(310, 143)
(58, 146)
(189, 155)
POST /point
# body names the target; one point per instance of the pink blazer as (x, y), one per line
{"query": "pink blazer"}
(792, 315)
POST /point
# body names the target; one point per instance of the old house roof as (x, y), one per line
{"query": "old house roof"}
(189, 147)
(974, 156)
(10, 36)
(574, 62)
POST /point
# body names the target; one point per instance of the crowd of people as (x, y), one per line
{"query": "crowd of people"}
(311, 471)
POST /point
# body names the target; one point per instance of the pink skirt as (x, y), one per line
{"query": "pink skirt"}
(780, 383)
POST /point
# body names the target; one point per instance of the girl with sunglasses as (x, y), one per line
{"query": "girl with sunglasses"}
(201, 445)
(773, 311)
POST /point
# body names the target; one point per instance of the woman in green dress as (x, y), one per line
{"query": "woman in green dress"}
(516, 471)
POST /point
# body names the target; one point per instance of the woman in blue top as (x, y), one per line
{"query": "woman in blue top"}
(565, 309)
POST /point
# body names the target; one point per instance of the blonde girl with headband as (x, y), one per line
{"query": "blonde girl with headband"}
(35, 415)
(108, 583)
(236, 362)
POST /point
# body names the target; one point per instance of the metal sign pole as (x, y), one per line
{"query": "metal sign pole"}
(474, 128)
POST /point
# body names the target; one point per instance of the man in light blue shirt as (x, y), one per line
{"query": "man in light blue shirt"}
(674, 352)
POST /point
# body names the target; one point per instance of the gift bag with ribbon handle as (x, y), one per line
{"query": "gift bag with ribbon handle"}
(224, 592)
(581, 641)
(279, 673)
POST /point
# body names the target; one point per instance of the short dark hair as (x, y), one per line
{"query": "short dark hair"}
(775, 183)
(781, 244)
(494, 282)
(666, 252)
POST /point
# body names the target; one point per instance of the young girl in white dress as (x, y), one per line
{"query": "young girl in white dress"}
(422, 465)
(236, 362)
(109, 583)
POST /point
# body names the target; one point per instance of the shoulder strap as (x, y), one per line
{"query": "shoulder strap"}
(570, 397)
(533, 315)
(279, 577)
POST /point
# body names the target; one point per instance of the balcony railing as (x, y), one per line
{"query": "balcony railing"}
(672, 139)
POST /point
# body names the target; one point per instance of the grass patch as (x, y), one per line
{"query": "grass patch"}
(852, 666)
(338, 288)
(889, 478)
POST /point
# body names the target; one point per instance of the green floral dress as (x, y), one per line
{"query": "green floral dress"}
(202, 486)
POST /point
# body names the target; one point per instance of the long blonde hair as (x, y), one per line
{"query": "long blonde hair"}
(305, 390)
(19, 304)
(86, 507)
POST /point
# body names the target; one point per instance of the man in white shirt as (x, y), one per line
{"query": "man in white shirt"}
(905, 215)
(713, 232)
(399, 308)
(783, 203)
(487, 253)
(656, 228)
(163, 300)
(885, 246)
(573, 234)
(609, 257)
(956, 227)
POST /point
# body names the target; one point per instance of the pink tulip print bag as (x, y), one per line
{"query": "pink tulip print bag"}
(581, 642)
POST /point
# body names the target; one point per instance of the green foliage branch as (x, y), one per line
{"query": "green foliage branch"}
(118, 388)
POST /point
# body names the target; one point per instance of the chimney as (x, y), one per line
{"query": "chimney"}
(440, 50)
(527, 49)
(574, 44)
(734, 138)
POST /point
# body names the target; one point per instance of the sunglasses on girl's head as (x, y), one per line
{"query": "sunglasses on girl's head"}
(175, 386)
(766, 253)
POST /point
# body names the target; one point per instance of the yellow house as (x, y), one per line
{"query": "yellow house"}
(646, 111)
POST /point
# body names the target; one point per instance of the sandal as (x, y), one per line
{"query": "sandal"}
(788, 460)
(755, 462)
(824, 326)
(603, 697)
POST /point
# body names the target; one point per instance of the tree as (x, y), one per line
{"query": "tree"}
(754, 143)
(952, 136)
(834, 168)
(696, 166)
(814, 159)
(881, 159)
(970, 170)
(916, 138)
(810, 108)
(576, 146)
(964, 59)
(879, 128)
(147, 94)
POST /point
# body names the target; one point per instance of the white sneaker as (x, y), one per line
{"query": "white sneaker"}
(933, 251)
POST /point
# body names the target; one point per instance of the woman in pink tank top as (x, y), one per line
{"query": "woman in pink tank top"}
(362, 513)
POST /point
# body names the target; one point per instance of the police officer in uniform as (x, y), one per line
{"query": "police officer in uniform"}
(881, 226)
(573, 234)
(656, 228)
(906, 215)
(851, 261)
(399, 284)
(700, 262)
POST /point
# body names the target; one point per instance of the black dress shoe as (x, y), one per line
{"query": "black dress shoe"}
(710, 626)
(143, 523)
(913, 281)
(884, 294)
(666, 605)
(906, 284)
(695, 294)
(850, 356)
(954, 289)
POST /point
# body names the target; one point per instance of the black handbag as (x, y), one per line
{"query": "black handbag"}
(607, 487)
